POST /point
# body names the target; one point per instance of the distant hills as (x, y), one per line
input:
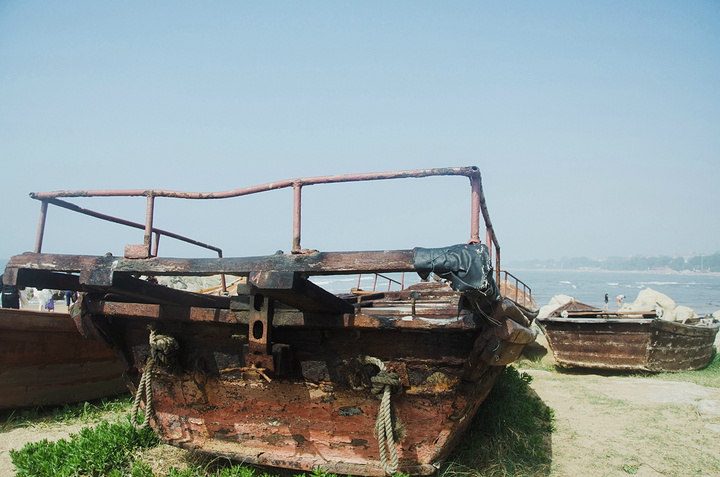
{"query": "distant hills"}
(695, 263)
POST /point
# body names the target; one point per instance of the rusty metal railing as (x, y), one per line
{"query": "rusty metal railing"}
(158, 232)
(526, 290)
(390, 281)
(149, 247)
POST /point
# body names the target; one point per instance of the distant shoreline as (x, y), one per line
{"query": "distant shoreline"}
(602, 270)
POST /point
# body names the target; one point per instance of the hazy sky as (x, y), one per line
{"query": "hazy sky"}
(596, 125)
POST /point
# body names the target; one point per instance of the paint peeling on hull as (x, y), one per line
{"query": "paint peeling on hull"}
(317, 409)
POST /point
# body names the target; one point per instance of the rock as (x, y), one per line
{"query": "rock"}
(708, 408)
(684, 313)
(555, 302)
(649, 300)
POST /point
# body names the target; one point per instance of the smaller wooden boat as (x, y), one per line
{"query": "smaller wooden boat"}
(584, 336)
(45, 361)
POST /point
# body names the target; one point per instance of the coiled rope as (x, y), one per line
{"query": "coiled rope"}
(382, 385)
(162, 350)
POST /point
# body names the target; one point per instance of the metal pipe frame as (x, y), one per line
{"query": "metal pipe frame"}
(478, 205)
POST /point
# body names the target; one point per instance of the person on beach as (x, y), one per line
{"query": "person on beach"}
(70, 297)
(50, 305)
(605, 308)
(620, 298)
(45, 299)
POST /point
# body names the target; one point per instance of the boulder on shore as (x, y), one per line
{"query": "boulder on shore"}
(649, 300)
(555, 302)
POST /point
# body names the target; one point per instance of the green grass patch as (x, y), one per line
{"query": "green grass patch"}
(509, 436)
(82, 412)
(103, 450)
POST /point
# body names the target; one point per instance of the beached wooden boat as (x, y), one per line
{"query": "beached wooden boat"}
(584, 336)
(287, 374)
(44, 361)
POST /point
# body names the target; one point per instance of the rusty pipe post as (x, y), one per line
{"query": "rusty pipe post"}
(475, 209)
(297, 204)
(489, 243)
(41, 226)
(149, 223)
(222, 276)
(156, 244)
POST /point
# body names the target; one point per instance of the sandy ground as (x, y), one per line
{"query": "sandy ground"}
(620, 425)
(604, 426)
(630, 426)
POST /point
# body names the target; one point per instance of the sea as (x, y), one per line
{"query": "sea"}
(699, 291)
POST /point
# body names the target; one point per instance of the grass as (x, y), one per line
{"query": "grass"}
(509, 436)
(105, 449)
(79, 412)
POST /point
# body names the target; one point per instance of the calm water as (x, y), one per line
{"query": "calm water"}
(700, 292)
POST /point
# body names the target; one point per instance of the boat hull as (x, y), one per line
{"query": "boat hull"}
(629, 343)
(45, 361)
(316, 408)
(304, 426)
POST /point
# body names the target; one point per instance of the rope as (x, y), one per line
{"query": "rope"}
(145, 386)
(162, 350)
(382, 385)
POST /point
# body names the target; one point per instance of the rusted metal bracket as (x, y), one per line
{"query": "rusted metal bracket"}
(259, 336)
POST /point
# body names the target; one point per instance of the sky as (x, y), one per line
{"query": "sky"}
(595, 125)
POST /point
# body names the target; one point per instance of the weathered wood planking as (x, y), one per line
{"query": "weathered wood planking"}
(629, 344)
(45, 361)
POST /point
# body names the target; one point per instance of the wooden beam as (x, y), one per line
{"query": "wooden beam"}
(314, 263)
(298, 292)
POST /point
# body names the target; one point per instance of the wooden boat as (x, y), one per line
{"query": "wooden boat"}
(584, 336)
(284, 373)
(44, 361)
